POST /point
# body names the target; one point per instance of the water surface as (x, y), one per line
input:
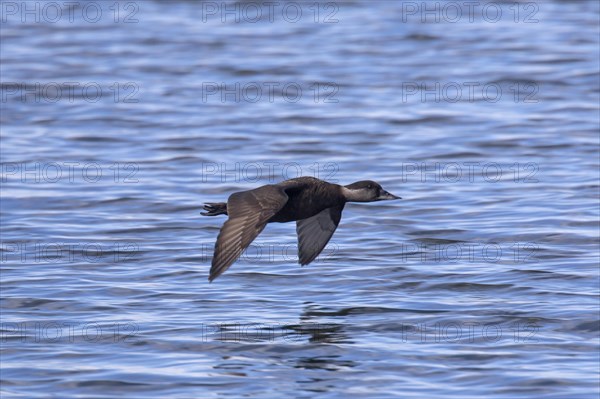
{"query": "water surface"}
(481, 282)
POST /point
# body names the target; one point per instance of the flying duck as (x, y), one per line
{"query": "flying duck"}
(315, 205)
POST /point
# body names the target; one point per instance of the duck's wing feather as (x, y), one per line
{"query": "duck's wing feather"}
(315, 232)
(249, 212)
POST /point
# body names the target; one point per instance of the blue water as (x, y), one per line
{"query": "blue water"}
(482, 281)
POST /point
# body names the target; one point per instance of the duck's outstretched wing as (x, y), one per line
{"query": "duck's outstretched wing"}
(249, 212)
(315, 232)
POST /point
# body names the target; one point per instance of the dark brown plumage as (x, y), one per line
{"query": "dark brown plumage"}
(314, 204)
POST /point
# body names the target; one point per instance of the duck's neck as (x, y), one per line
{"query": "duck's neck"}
(353, 195)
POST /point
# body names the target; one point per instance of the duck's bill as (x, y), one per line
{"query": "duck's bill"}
(387, 196)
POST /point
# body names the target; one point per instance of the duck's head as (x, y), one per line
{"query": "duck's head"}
(367, 191)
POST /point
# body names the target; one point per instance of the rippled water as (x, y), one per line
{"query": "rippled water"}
(482, 282)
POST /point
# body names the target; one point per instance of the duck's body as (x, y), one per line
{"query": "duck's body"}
(314, 204)
(307, 196)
